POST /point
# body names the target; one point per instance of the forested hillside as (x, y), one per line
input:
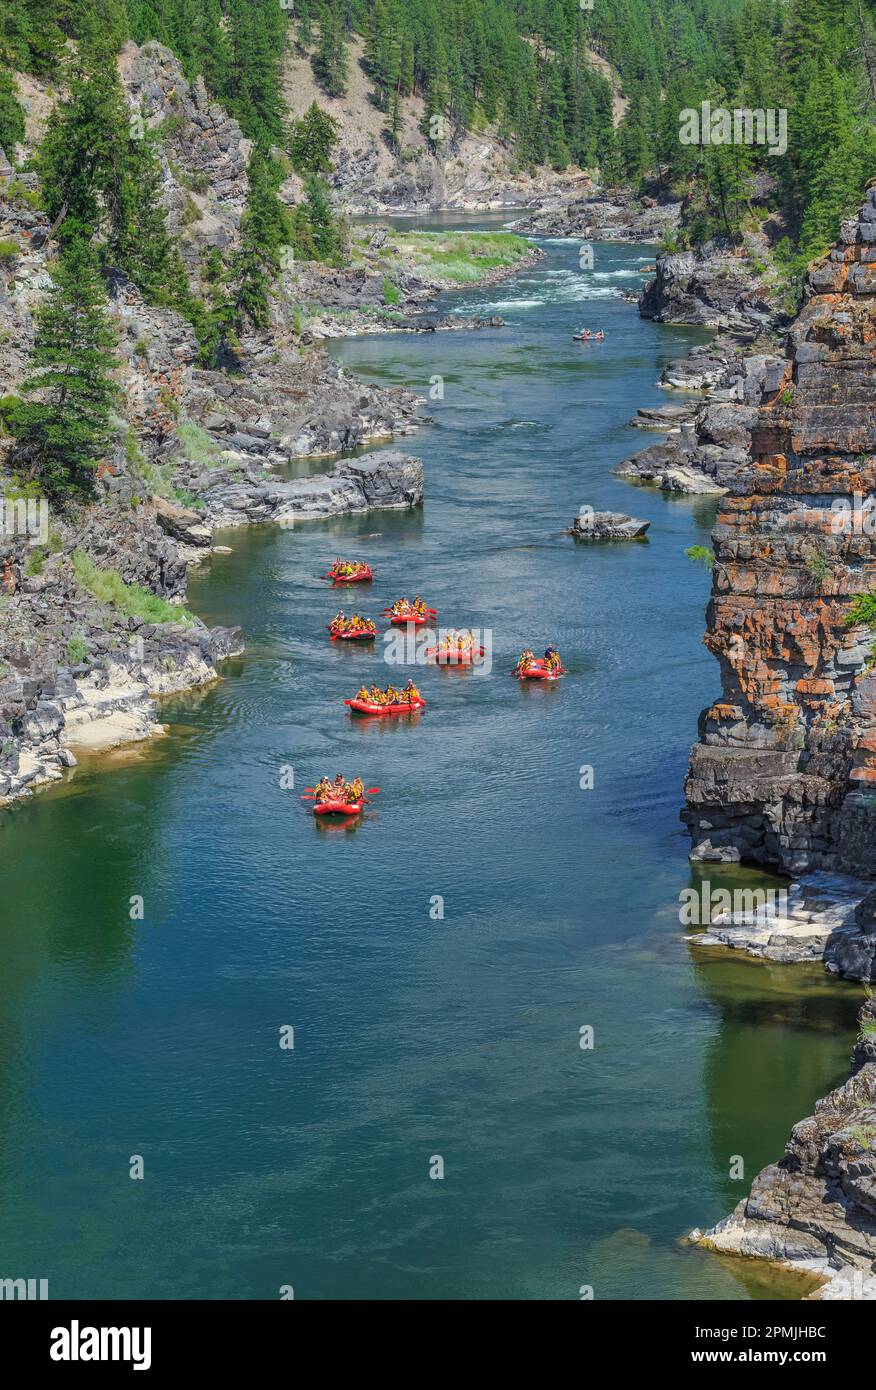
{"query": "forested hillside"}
(525, 68)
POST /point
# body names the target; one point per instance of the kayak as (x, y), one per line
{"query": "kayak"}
(359, 578)
(338, 808)
(455, 658)
(402, 707)
(537, 672)
(360, 635)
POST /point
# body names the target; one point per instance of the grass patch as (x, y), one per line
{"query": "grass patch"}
(77, 651)
(461, 258)
(108, 586)
(198, 445)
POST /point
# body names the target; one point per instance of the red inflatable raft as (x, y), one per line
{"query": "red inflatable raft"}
(455, 658)
(338, 808)
(360, 635)
(358, 578)
(402, 707)
(537, 671)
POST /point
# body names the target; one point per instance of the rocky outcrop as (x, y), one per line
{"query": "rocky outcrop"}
(383, 480)
(204, 152)
(708, 444)
(785, 769)
(819, 919)
(615, 215)
(712, 284)
(815, 1210)
(78, 672)
(607, 526)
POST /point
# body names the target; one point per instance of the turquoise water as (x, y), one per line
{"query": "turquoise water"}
(416, 1036)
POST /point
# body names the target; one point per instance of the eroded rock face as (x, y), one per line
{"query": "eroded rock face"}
(614, 216)
(817, 1205)
(707, 285)
(204, 150)
(785, 771)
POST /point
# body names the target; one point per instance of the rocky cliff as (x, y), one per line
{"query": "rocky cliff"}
(785, 769)
(816, 1208)
(92, 615)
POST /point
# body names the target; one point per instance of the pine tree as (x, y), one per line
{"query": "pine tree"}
(324, 229)
(264, 228)
(313, 138)
(62, 431)
(330, 59)
(11, 115)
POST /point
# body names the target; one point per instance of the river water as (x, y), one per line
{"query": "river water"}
(417, 1036)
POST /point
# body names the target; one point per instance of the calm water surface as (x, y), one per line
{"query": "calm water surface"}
(414, 1037)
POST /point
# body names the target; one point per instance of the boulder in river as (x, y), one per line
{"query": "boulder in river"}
(607, 526)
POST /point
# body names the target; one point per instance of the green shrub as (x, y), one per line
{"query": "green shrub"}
(108, 586)
(36, 563)
(9, 249)
(77, 651)
(391, 292)
(863, 613)
(701, 555)
(815, 563)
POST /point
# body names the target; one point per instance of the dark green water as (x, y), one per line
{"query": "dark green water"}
(413, 1037)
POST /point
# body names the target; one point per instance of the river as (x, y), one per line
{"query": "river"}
(417, 1035)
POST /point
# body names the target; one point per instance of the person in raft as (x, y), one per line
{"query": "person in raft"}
(552, 659)
(525, 660)
(410, 695)
(598, 337)
(339, 790)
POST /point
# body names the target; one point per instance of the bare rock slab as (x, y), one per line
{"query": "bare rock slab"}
(608, 526)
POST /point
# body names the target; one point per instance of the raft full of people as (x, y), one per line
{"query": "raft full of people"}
(373, 700)
(410, 611)
(349, 571)
(455, 649)
(339, 797)
(354, 629)
(539, 668)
